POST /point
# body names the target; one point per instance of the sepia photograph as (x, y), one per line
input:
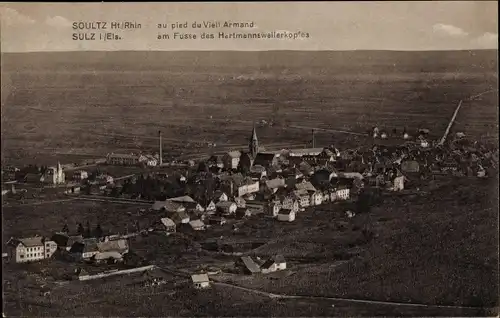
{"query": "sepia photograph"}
(250, 159)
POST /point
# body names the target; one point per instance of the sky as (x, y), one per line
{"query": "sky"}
(412, 25)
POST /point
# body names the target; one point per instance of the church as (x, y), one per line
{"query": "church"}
(54, 175)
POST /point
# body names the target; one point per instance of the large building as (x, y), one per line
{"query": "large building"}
(54, 175)
(30, 249)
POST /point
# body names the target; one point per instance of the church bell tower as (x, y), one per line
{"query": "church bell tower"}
(254, 143)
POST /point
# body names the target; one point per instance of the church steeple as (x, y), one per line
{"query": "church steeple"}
(254, 143)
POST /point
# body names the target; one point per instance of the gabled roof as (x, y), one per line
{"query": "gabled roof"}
(113, 246)
(200, 278)
(167, 205)
(275, 183)
(224, 204)
(250, 264)
(286, 211)
(183, 199)
(267, 264)
(234, 154)
(31, 241)
(167, 222)
(196, 223)
(279, 258)
(305, 186)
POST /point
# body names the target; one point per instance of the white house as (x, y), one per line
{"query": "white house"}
(342, 193)
(226, 207)
(232, 159)
(286, 215)
(274, 264)
(220, 196)
(200, 281)
(169, 225)
(80, 175)
(31, 249)
(197, 225)
(248, 188)
(316, 198)
(274, 208)
(211, 208)
(399, 183)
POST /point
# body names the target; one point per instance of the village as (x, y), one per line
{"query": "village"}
(210, 201)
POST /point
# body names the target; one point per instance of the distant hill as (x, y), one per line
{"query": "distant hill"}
(317, 61)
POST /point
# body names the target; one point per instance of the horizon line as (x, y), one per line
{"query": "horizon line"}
(249, 51)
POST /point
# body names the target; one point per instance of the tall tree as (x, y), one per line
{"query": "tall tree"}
(98, 232)
(81, 230)
(88, 231)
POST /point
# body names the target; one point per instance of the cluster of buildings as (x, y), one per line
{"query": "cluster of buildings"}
(97, 250)
(120, 159)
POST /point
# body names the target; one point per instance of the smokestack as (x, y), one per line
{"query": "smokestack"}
(161, 151)
(313, 139)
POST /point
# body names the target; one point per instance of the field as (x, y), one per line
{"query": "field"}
(88, 104)
(439, 248)
(435, 249)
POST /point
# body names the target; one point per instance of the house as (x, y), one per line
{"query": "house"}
(243, 213)
(305, 152)
(200, 281)
(169, 225)
(342, 192)
(231, 159)
(220, 196)
(302, 196)
(274, 208)
(215, 161)
(65, 241)
(249, 265)
(410, 166)
(256, 207)
(80, 175)
(275, 184)
(286, 215)
(123, 159)
(399, 183)
(215, 220)
(193, 207)
(197, 225)
(276, 263)
(182, 200)
(111, 249)
(257, 172)
(211, 208)
(240, 202)
(30, 249)
(168, 206)
(247, 187)
(266, 159)
(180, 217)
(85, 249)
(305, 186)
(316, 198)
(226, 207)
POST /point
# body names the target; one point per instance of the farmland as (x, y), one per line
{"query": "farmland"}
(89, 104)
(438, 247)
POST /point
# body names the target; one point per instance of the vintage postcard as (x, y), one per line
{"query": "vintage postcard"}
(284, 159)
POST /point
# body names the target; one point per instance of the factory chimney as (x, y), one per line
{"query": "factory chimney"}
(313, 139)
(161, 152)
